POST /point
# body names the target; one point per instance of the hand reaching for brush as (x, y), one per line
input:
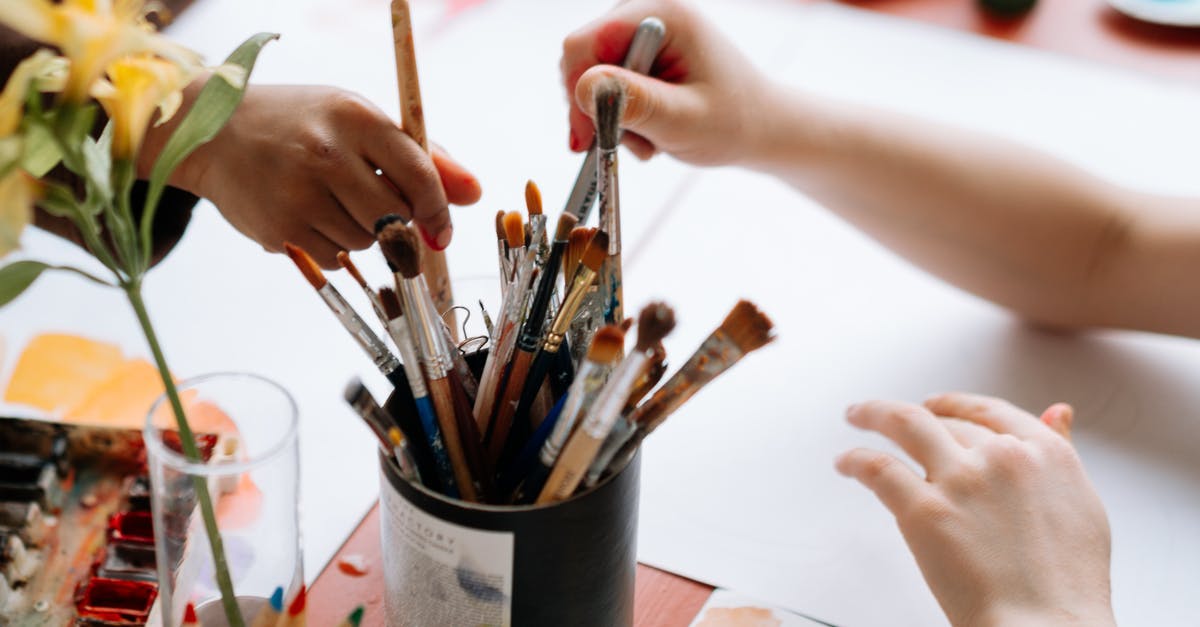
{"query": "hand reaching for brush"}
(700, 103)
(1005, 525)
(297, 163)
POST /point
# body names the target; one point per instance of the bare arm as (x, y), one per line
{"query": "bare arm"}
(1003, 221)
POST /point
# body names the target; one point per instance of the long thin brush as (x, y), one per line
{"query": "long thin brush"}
(402, 335)
(610, 105)
(403, 253)
(744, 330)
(504, 334)
(351, 321)
(643, 49)
(527, 345)
(504, 261)
(381, 421)
(603, 354)
(412, 120)
(347, 264)
(537, 219)
(654, 323)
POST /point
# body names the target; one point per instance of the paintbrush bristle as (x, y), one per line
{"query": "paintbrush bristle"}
(401, 249)
(308, 267)
(610, 107)
(500, 226)
(607, 345)
(566, 223)
(597, 252)
(747, 327)
(514, 230)
(396, 436)
(386, 220)
(576, 244)
(354, 391)
(654, 323)
(533, 198)
(344, 260)
(391, 303)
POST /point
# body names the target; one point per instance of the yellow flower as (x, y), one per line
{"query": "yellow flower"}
(136, 86)
(92, 34)
(18, 192)
(44, 71)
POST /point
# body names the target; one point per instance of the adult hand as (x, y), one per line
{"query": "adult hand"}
(1005, 525)
(298, 164)
(702, 103)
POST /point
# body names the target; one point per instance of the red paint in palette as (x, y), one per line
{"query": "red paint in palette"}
(135, 527)
(115, 600)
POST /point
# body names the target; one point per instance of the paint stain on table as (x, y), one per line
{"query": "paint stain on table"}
(738, 617)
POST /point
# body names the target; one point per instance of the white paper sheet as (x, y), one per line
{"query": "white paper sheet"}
(738, 487)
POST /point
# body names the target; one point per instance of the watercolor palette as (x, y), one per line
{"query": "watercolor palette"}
(76, 532)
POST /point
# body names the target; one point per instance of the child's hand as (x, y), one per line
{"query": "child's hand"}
(297, 163)
(1005, 525)
(704, 102)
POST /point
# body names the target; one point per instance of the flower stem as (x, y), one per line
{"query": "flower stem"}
(232, 613)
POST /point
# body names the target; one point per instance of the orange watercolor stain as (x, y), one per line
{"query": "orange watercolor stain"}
(739, 617)
(57, 371)
(121, 400)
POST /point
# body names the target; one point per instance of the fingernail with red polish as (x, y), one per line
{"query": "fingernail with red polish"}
(443, 238)
(573, 142)
(430, 241)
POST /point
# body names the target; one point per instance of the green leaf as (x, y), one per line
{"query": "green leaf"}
(98, 162)
(211, 110)
(41, 151)
(17, 277)
(59, 200)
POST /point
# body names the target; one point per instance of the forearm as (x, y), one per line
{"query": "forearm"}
(1003, 221)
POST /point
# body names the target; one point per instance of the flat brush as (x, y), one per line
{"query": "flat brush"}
(643, 49)
(625, 428)
(745, 329)
(527, 345)
(353, 323)
(654, 323)
(403, 253)
(602, 355)
(610, 105)
(590, 316)
(402, 336)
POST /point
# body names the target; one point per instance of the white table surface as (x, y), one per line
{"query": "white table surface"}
(738, 488)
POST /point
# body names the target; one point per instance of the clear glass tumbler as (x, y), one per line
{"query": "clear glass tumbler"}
(246, 427)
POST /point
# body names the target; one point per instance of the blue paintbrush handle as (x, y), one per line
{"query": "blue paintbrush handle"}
(434, 435)
(527, 460)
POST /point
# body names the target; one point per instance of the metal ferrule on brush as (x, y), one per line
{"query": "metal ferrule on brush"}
(422, 322)
(611, 401)
(408, 353)
(575, 295)
(383, 358)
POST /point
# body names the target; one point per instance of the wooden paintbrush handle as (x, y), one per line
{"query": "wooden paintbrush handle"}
(507, 408)
(412, 120)
(570, 468)
(443, 403)
(471, 440)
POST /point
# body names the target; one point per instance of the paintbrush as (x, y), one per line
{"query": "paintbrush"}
(504, 261)
(402, 335)
(537, 219)
(380, 421)
(403, 456)
(624, 428)
(505, 336)
(189, 616)
(610, 105)
(590, 316)
(296, 611)
(403, 253)
(602, 355)
(269, 614)
(556, 334)
(639, 57)
(654, 323)
(516, 399)
(412, 120)
(745, 329)
(353, 323)
(347, 264)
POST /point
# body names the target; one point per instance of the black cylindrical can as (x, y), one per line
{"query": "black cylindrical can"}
(449, 562)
